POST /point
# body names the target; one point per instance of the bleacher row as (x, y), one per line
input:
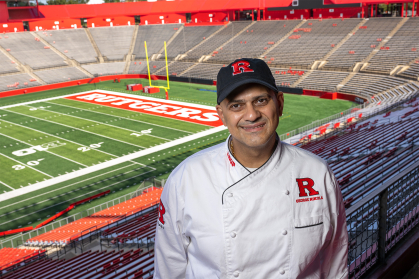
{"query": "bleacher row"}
(326, 50)
(92, 265)
(13, 256)
(105, 218)
(371, 152)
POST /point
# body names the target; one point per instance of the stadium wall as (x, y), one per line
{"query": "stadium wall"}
(287, 14)
(50, 24)
(11, 26)
(110, 21)
(167, 18)
(338, 12)
(210, 17)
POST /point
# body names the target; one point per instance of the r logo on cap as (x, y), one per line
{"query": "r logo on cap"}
(240, 67)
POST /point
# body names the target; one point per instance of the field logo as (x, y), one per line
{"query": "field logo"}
(182, 112)
(33, 149)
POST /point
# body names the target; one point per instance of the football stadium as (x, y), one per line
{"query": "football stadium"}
(100, 102)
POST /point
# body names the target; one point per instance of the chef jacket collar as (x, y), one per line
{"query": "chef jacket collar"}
(240, 172)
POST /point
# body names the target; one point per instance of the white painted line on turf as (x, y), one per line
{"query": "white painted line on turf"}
(26, 166)
(57, 189)
(1, 182)
(55, 136)
(109, 92)
(102, 123)
(122, 159)
(66, 201)
(74, 128)
(45, 150)
(93, 111)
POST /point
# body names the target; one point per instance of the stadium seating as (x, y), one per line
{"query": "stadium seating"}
(361, 43)
(401, 49)
(92, 265)
(371, 153)
(254, 41)
(7, 65)
(12, 256)
(323, 80)
(74, 43)
(412, 72)
(175, 68)
(369, 85)
(113, 42)
(11, 82)
(203, 71)
(310, 42)
(286, 77)
(72, 231)
(210, 44)
(188, 38)
(140, 67)
(155, 35)
(60, 74)
(105, 69)
(27, 50)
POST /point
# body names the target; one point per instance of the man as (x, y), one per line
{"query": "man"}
(252, 207)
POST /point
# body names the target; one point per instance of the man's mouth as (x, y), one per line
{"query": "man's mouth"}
(254, 128)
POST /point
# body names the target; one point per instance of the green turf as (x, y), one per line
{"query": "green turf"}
(79, 124)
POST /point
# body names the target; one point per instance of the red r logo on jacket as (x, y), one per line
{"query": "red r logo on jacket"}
(306, 183)
(240, 67)
(162, 210)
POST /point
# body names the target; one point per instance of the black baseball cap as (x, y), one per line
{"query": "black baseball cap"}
(243, 71)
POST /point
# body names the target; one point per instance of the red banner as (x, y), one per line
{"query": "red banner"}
(175, 110)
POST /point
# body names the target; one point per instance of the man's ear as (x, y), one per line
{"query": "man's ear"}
(280, 97)
(220, 113)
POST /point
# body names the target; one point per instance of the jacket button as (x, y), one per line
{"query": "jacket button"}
(236, 274)
(284, 232)
(286, 192)
(233, 234)
(282, 271)
(229, 195)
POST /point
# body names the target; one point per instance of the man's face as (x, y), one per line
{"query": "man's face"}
(252, 114)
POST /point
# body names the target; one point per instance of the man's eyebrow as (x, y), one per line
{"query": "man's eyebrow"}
(263, 95)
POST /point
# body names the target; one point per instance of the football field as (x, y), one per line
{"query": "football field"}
(58, 147)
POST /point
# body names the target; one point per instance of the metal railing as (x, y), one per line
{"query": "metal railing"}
(20, 239)
(378, 222)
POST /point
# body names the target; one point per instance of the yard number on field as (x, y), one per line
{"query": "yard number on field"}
(92, 146)
(30, 163)
(143, 132)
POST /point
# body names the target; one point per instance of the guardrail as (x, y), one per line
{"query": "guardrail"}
(378, 222)
(20, 239)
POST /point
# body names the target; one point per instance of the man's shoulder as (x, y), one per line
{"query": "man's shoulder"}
(201, 158)
(304, 157)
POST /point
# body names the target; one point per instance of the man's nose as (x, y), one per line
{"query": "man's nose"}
(251, 113)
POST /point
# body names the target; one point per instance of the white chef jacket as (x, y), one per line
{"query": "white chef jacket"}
(219, 220)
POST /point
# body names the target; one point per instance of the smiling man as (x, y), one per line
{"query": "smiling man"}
(252, 207)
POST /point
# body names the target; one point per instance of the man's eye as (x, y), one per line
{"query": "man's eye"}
(261, 101)
(235, 106)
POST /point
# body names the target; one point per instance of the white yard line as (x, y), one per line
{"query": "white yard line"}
(47, 183)
(75, 128)
(25, 166)
(55, 136)
(46, 150)
(110, 92)
(57, 189)
(120, 116)
(85, 119)
(66, 201)
(1, 182)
